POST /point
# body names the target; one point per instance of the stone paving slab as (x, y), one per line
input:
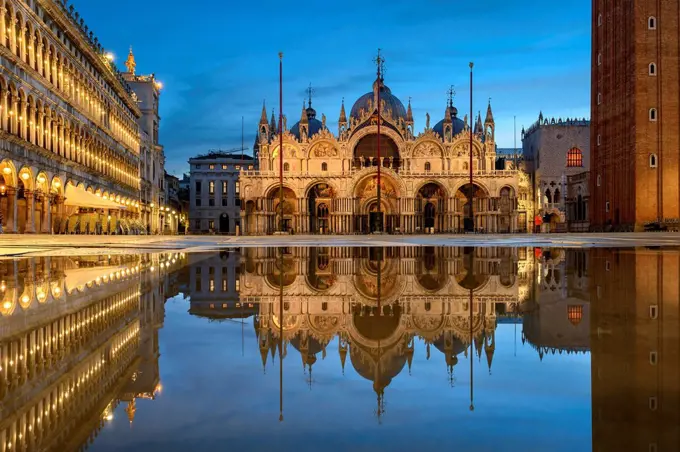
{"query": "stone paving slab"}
(16, 244)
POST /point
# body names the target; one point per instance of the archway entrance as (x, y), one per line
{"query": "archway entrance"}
(375, 218)
(284, 214)
(372, 219)
(470, 198)
(320, 200)
(430, 203)
(224, 223)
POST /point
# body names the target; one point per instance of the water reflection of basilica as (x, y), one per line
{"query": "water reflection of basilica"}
(78, 336)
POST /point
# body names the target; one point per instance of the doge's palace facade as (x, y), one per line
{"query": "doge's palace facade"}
(330, 183)
(69, 134)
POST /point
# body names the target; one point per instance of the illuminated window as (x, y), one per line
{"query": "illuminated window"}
(211, 166)
(212, 285)
(574, 158)
(224, 305)
(224, 285)
(212, 305)
(224, 187)
(575, 314)
(237, 189)
(224, 166)
(237, 285)
(211, 187)
(237, 167)
(250, 167)
(211, 224)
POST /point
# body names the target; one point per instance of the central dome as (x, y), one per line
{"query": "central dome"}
(315, 125)
(391, 102)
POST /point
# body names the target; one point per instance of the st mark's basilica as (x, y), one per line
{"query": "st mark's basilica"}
(330, 181)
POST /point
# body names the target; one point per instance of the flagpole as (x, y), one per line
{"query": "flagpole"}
(472, 187)
(380, 222)
(281, 140)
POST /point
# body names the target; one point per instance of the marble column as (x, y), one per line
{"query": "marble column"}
(10, 220)
(30, 214)
(45, 225)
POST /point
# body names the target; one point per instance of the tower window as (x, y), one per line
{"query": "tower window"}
(599, 59)
(652, 114)
(599, 98)
(606, 206)
(652, 23)
(599, 20)
(574, 158)
(324, 166)
(652, 161)
(428, 167)
(599, 139)
(652, 69)
(286, 167)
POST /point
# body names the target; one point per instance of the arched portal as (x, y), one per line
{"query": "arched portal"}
(431, 205)
(224, 223)
(371, 218)
(506, 207)
(366, 152)
(320, 199)
(471, 199)
(284, 219)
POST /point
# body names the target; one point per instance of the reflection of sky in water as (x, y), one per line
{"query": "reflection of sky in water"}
(215, 397)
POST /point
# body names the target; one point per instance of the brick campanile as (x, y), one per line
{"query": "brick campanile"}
(635, 112)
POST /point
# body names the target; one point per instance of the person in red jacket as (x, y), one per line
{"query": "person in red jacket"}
(538, 221)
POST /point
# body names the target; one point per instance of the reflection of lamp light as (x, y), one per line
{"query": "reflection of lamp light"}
(6, 170)
(25, 299)
(57, 184)
(7, 305)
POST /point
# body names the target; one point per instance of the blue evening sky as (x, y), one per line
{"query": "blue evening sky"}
(218, 59)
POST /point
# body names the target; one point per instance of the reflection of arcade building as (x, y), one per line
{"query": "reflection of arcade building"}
(76, 334)
(330, 182)
(424, 293)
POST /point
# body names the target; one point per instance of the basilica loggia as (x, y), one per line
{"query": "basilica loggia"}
(79, 336)
(330, 181)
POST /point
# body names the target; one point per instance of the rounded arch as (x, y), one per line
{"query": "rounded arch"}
(8, 172)
(42, 182)
(386, 173)
(366, 147)
(441, 185)
(26, 176)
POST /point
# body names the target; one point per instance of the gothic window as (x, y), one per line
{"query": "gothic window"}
(574, 158)
(548, 196)
(427, 167)
(652, 114)
(556, 196)
(286, 167)
(652, 161)
(652, 23)
(652, 69)
(324, 166)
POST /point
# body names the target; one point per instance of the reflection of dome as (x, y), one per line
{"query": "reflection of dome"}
(458, 124)
(365, 365)
(377, 327)
(391, 102)
(457, 347)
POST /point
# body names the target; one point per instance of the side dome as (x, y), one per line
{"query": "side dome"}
(367, 102)
(458, 124)
(315, 125)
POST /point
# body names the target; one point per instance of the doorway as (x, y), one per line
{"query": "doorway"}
(224, 223)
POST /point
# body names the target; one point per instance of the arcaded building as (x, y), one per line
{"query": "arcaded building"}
(70, 137)
(635, 129)
(330, 180)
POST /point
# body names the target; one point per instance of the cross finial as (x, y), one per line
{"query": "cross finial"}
(489, 101)
(451, 93)
(309, 92)
(380, 64)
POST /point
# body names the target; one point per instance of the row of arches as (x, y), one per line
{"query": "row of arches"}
(43, 125)
(432, 209)
(33, 201)
(71, 77)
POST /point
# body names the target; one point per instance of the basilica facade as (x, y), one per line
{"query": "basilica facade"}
(330, 180)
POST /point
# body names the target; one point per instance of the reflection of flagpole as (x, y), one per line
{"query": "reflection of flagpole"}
(472, 342)
(281, 337)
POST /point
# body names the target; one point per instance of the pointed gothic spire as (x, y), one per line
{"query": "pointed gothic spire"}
(263, 116)
(409, 112)
(447, 115)
(478, 124)
(343, 115)
(489, 115)
(263, 355)
(343, 356)
(130, 63)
